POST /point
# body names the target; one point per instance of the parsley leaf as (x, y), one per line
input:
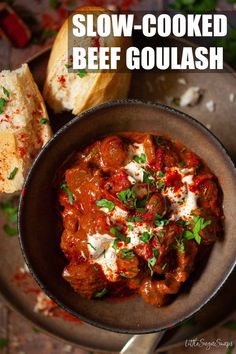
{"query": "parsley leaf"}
(54, 4)
(140, 159)
(82, 73)
(151, 263)
(3, 343)
(134, 218)
(6, 92)
(230, 325)
(199, 225)
(126, 254)
(148, 178)
(146, 237)
(65, 187)
(119, 235)
(13, 173)
(10, 231)
(194, 6)
(105, 203)
(44, 121)
(101, 293)
(9, 210)
(3, 103)
(128, 196)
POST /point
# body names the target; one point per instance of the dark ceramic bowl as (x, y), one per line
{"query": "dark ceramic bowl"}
(38, 217)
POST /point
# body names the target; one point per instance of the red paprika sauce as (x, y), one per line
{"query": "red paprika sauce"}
(137, 210)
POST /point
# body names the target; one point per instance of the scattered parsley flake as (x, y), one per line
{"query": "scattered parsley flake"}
(105, 203)
(90, 244)
(65, 187)
(82, 73)
(6, 92)
(101, 293)
(13, 173)
(3, 343)
(10, 231)
(140, 159)
(44, 121)
(3, 104)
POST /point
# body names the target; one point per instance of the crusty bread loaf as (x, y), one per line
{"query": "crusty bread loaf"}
(24, 126)
(65, 90)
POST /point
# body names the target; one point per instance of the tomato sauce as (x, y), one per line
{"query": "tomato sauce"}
(137, 210)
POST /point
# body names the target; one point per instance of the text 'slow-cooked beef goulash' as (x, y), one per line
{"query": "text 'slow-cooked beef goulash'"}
(138, 211)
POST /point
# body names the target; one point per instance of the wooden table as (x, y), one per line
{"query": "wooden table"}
(22, 337)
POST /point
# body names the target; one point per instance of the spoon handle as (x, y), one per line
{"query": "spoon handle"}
(142, 344)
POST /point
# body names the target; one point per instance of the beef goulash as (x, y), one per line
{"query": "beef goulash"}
(137, 211)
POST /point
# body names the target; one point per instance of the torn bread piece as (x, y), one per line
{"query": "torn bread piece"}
(81, 90)
(24, 126)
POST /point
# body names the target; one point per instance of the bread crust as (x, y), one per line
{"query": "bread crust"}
(22, 133)
(94, 88)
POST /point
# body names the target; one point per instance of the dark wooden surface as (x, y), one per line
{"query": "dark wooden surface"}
(21, 336)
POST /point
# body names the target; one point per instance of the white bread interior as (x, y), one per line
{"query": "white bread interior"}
(77, 94)
(22, 133)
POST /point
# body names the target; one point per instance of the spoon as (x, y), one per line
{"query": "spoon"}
(142, 344)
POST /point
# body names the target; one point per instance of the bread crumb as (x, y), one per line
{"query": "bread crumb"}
(231, 97)
(208, 126)
(182, 81)
(190, 97)
(210, 105)
(67, 348)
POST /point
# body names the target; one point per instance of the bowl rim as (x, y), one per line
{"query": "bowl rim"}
(54, 138)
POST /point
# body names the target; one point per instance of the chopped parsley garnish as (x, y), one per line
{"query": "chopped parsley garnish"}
(140, 159)
(180, 245)
(54, 4)
(160, 184)
(3, 343)
(128, 196)
(92, 246)
(148, 178)
(65, 187)
(119, 235)
(44, 121)
(36, 330)
(159, 221)
(155, 251)
(126, 254)
(11, 214)
(122, 274)
(3, 103)
(82, 73)
(93, 152)
(9, 230)
(181, 163)
(115, 243)
(130, 227)
(160, 174)
(146, 237)
(231, 324)
(159, 140)
(9, 210)
(95, 268)
(68, 66)
(101, 293)
(164, 266)
(105, 203)
(134, 218)
(199, 224)
(194, 6)
(151, 262)
(13, 173)
(6, 92)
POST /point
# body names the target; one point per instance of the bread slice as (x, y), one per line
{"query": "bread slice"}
(64, 90)
(24, 126)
